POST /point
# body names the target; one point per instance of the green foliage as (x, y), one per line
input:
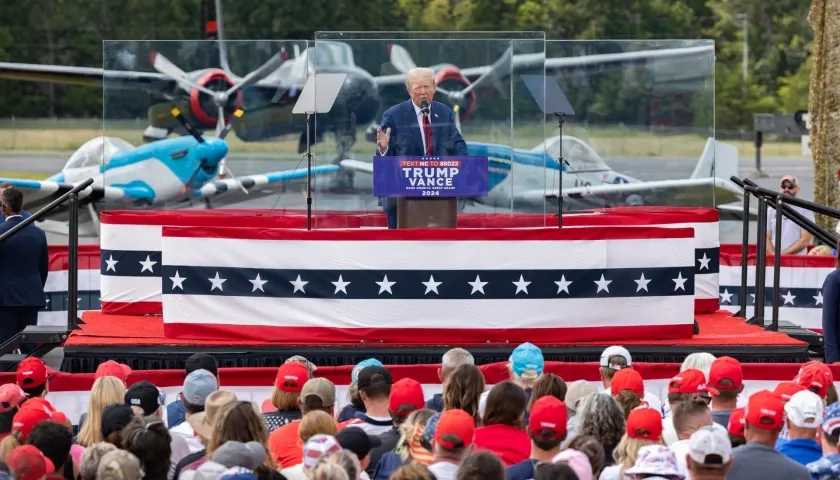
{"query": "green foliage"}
(71, 32)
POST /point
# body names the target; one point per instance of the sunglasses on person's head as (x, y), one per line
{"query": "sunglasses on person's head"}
(788, 186)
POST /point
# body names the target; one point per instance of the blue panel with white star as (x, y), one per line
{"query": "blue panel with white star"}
(424, 284)
(129, 263)
(86, 300)
(788, 297)
(707, 261)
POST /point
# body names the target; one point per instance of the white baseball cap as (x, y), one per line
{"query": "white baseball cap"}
(710, 445)
(614, 351)
(805, 409)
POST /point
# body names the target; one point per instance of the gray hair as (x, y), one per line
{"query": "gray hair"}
(91, 459)
(456, 357)
(701, 361)
(600, 416)
(418, 73)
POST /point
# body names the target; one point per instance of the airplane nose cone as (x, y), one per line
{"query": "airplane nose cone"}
(217, 150)
(360, 95)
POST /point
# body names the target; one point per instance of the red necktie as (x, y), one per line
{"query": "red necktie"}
(427, 132)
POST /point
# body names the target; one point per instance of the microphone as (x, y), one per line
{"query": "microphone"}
(424, 107)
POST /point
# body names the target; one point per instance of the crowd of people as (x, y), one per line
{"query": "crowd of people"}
(532, 426)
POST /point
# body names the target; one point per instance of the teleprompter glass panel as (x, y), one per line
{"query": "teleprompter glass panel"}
(190, 125)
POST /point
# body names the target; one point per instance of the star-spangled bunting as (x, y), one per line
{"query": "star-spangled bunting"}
(426, 284)
(788, 297)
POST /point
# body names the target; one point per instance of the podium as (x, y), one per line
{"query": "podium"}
(427, 189)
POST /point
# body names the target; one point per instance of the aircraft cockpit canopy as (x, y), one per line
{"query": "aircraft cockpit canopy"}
(581, 157)
(97, 151)
(325, 53)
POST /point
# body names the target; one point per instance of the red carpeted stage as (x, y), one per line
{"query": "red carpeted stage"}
(140, 342)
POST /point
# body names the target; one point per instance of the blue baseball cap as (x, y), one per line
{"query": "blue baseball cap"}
(370, 362)
(831, 418)
(527, 361)
(198, 385)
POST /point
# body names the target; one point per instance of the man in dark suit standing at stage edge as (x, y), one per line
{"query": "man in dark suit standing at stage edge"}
(418, 127)
(24, 265)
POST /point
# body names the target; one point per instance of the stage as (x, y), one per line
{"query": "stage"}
(141, 343)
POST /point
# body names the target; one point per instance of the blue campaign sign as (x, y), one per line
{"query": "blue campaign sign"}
(429, 176)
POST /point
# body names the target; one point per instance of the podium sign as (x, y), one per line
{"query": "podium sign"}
(429, 176)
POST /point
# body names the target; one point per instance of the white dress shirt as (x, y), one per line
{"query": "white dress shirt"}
(419, 116)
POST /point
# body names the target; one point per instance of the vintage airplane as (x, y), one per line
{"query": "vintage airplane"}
(172, 172)
(524, 180)
(208, 97)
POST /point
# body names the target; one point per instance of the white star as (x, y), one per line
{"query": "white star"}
(385, 285)
(563, 284)
(642, 283)
(258, 283)
(603, 284)
(112, 264)
(431, 285)
(704, 262)
(147, 265)
(521, 285)
(679, 282)
(340, 286)
(818, 297)
(477, 285)
(789, 298)
(753, 297)
(298, 284)
(217, 282)
(726, 297)
(177, 281)
(48, 300)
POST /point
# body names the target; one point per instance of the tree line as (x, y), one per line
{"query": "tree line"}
(71, 32)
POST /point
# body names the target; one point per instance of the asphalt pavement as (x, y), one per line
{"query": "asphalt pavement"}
(644, 168)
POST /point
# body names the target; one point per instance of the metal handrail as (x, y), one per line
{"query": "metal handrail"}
(73, 244)
(47, 209)
(781, 204)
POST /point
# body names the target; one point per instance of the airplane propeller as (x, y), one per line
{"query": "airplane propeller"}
(402, 61)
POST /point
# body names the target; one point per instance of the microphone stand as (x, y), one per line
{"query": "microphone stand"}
(308, 174)
(562, 163)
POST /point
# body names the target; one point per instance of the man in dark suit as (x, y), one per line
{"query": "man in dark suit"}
(24, 265)
(408, 130)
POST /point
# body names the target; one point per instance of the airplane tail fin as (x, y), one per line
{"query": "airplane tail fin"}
(718, 159)
(220, 28)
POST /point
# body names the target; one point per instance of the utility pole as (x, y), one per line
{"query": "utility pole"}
(745, 46)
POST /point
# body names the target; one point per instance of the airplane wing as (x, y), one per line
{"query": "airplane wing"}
(691, 191)
(39, 193)
(254, 184)
(85, 76)
(535, 60)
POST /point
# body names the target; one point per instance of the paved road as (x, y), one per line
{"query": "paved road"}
(642, 168)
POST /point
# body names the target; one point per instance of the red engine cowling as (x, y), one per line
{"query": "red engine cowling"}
(453, 74)
(206, 113)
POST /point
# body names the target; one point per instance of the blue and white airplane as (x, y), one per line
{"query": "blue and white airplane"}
(524, 180)
(171, 171)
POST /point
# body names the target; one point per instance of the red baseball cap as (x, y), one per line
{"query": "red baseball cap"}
(548, 413)
(815, 376)
(726, 368)
(736, 422)
(291, 377)
(458, 423)
(644, 423)
(406, 392)
(627, 379)
(40, 403)
(765, 411)
(29, 463)
(690, 381)
(32, 372)
(110, 368)
(11, 395)
(26, 418)
(785, 390)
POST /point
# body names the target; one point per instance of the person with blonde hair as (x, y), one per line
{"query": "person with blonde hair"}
(463, 391)
(339, 465)
(120, 465)
(644, 427)
(409, 447)
(105, 391)
(313, 423)
(282, 408)
(526, 364)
